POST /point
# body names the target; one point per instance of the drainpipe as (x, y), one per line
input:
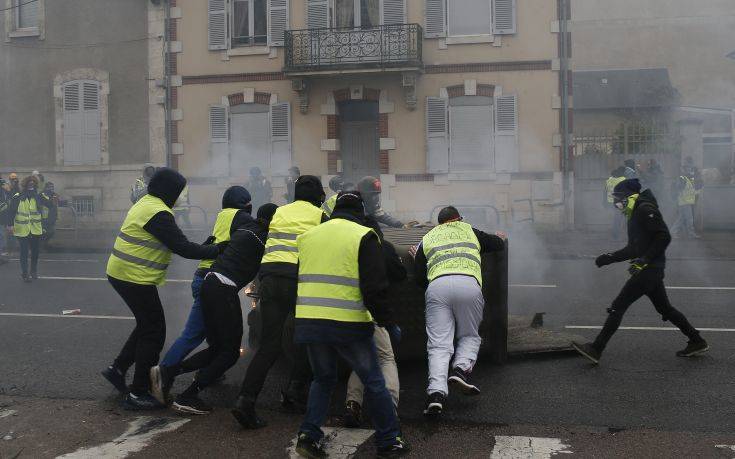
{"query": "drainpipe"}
(167, 79)
(564, 82)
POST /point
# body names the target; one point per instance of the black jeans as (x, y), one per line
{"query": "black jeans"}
(146, 341)
(27, 242)
(223, 329)
(277, 301)
(649, 282)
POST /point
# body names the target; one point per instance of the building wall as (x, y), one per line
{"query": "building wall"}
(109, 37)
(408, 191)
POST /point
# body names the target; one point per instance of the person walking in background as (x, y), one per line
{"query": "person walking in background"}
(235, 213)
(648, 238)
(50, 213)
(14, 184)
(4, 199)
(293, 174)
(140, 187)
(137, 265)
(24, 213)
(336, 184)
(685, 194)
(449, 265)
(618, 222)
(370, 188)
(259, 187)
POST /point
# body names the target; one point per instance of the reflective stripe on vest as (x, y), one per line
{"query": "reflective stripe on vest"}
(221, 231)
(137, 256)
(610, 186)
(28, 219)
(287, 224)
(329, 274)
(688, 196)
(328, 206)
(452, 248)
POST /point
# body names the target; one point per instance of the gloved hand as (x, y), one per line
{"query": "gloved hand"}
(637, 265)
(210, 240)
(604, 260)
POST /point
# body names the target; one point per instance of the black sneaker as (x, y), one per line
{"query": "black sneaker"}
(161, 382)
(191, 404)
(694, 348)
(26, 278)
(142, 402)
(587, 351)
(461, 379)
(353, 414)
(244, 412)
(34, 276)
(308, 448)
(116, 378)
(295, 397)
(434, 404)
(397, 449)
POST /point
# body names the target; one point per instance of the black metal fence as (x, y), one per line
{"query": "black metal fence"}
(628, 139)
(397, 45)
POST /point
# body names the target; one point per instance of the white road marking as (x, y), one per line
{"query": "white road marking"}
(6, 413)
(730, 447)
(139, 434)
(180, 281)
(338, 442)
(60, 260)
(527, 447)
(598, 327)
(700, 288)
(532, 285)
(59, 316)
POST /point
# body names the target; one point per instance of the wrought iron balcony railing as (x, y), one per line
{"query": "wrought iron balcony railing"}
(397, 45)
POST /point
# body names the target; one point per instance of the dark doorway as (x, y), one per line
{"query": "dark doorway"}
(359, 141)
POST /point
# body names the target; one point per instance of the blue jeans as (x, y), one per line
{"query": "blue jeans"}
(363, 359)
(193, 334)
(685, 221)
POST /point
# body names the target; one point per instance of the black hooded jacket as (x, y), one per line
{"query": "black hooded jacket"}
(167, 185)
(237, 197)
(648, 235)
(240, 261)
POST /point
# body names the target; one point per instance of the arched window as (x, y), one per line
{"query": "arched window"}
(82, 122)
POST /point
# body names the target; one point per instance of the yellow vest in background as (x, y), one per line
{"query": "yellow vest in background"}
(221, 231)
(28, 219)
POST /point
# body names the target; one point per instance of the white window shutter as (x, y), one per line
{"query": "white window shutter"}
(393, 12)
(277, 21)
(437, 139)
(218, 124)
(73, 123)
(91, 146)
(280, 121)
(504, 17)
(217, 24)
(435, 21)
(506, 133)
(317, 14)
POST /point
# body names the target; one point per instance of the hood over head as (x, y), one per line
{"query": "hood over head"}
(166, 184)
(266, 211)
(648, 197)
(236, 197)
(627, 187)
(309, 188)
(349, 205)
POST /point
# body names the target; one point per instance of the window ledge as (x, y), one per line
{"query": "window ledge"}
(473, 176)
(29, 32)
(466, 39)
(249, 51)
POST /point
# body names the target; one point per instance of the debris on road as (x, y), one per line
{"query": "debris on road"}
(71, 312)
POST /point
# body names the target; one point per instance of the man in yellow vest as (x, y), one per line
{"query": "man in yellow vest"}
(278, 279)
(341, 291)
(449, 261)
(138, 263)
(616, 176)
(686, 198)
(25, 215)
(236, 212)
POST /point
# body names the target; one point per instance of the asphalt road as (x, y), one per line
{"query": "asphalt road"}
(641, 400)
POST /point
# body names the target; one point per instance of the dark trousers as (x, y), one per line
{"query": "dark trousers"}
(146, 341)
(223, 329)
(649, 282)
(277, 301)
(29, 242)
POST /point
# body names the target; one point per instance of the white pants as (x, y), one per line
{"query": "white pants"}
(387, 365)
(454, 306)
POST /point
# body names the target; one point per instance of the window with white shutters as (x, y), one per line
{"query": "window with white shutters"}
(437, 142)
(504, 17)
(506, 133)
(218, 124)
(317, 14)
(26, 14)
(280, 129)
(393, 12)
(469, 17)
(217, 24)
(277, 21)
(435, 24)
(249, 22)
(82, 123)
(250, 142)
(471, 138)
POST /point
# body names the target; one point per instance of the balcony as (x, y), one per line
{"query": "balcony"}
(395, 48)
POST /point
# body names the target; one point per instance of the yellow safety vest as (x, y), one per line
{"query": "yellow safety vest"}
(287, 224)
(610, 186)
(632, 199)
(688, 196)
(329, 274)
(221, 231)
(328, 206)
(452, 248)
(27, 219)
(137, 256)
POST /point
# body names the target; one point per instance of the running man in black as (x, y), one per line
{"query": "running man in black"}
(648, 237)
